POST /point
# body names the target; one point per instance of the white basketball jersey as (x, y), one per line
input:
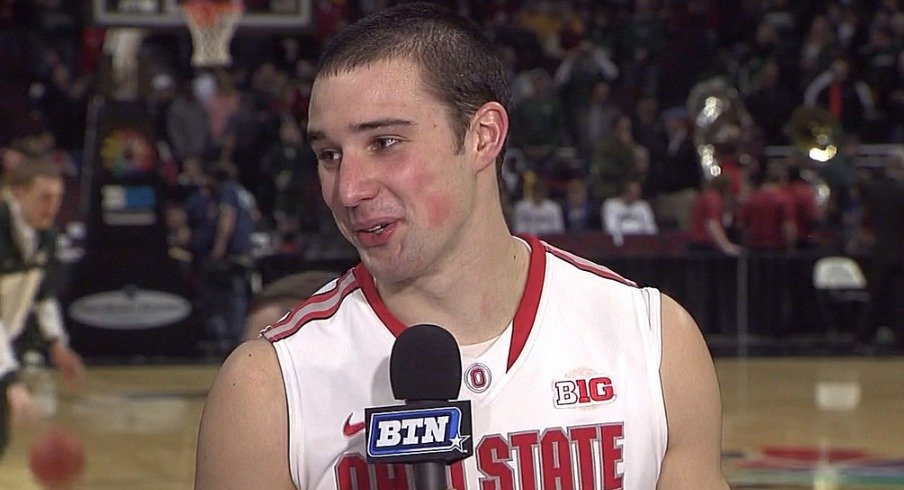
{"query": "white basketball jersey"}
(569, 397)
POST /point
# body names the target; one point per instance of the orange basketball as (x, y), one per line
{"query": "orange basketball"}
(57, 458)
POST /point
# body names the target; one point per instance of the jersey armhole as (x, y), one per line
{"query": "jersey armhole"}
(653, 298)
(292, 385)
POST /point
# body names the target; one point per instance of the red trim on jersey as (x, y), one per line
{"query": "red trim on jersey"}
(530, 299)
(588, 266)
(317, 307)
(376, 302)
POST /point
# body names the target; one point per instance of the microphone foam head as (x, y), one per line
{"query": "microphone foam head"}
(425, 364)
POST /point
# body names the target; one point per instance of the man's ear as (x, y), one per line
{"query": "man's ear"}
(489, 125)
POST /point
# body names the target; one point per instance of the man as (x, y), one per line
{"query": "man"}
(628, 213)
(408, 119)
(223, 216)
(768, 222)
(27, 262)
(536, 213)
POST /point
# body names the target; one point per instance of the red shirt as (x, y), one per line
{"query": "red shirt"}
(708, 205)
(764, 215)
(806, 212)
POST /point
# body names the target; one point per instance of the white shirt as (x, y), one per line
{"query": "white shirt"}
(543, 218)
(620, 218)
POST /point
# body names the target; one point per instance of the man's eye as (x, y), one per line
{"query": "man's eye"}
(386, 142)
(328, 156)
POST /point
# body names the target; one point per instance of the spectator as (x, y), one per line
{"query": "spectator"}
(579, 215)
(818, 47)
(807, 213)
(771, 103)
(648, 127)
(536, 214)
(675, 178)
(595, 118)
(222, 106)
(163, 92)
(768, 215)
(641, 39)
(223, 268)
(628, 214)
(577, 78)
(768, 221)
(538, 123)
(708, 218)
(186, 125)
(290, 167)
(847, 98)
(711, 256)
(614, 161)
(881, 71)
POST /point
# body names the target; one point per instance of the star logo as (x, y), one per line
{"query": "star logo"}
(457, 442)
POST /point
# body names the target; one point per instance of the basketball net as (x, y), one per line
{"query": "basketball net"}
(212, 25)
(123, 45)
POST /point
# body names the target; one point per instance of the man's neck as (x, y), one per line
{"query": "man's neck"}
(474, 294)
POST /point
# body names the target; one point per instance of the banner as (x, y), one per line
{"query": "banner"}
(126, 296)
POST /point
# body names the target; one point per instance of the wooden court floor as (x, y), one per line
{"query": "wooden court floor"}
(789, 423)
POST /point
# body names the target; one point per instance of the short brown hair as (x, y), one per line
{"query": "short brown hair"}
(460, 66)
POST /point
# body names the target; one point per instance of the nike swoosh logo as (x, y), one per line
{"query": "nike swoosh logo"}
(350, 429)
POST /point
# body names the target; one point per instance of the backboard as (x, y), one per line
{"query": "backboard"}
(259, 14)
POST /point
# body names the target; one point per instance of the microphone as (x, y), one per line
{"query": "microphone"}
(429, 431)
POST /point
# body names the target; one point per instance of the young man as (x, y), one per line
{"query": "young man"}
(408, 119)
(27, 262)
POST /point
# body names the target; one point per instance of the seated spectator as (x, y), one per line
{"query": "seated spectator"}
(536, 213)
(577, 210)
(628, 214)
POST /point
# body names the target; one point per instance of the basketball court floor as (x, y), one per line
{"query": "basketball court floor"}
(789, 423)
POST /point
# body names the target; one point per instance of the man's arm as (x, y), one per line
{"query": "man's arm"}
(692, 405)
(243, 442)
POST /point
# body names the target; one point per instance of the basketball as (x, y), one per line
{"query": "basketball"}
(57, 458)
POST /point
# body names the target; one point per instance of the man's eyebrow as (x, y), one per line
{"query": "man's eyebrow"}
(379, 124)
(317, 135)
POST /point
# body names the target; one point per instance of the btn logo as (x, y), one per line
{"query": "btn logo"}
(403, 433)
(571, 393)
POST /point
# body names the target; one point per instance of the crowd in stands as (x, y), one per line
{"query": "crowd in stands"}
(600, 98)
(605, 127)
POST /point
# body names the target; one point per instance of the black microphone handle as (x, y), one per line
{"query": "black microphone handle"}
(430, 475)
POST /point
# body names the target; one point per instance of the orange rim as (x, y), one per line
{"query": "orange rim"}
(205, 13)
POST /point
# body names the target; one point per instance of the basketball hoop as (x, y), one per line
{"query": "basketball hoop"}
(212, 25)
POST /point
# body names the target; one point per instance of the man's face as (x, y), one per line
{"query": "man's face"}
(389, 168)
(40, 201)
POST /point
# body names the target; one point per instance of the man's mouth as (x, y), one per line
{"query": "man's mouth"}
(376, 229)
